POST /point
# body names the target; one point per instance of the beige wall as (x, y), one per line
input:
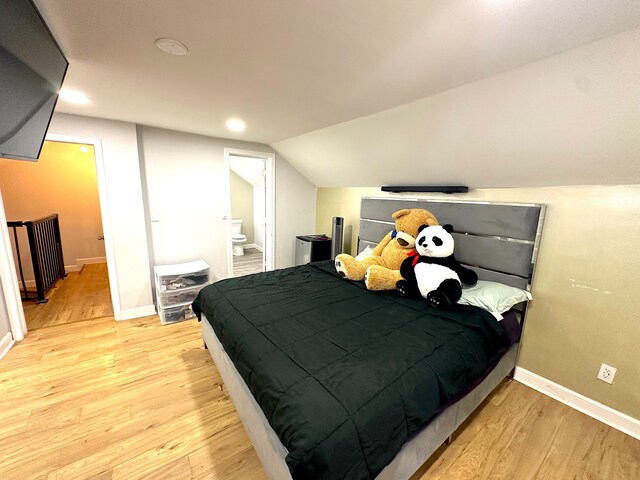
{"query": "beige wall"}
(586, 301)
(63, 181)
(242, 203)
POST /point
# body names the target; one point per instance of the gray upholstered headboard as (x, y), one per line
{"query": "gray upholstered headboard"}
(498, 240)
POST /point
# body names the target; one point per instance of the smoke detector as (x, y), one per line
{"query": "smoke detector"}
(171, 46)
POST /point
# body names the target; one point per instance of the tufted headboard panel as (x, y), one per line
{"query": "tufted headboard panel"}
(498, 240)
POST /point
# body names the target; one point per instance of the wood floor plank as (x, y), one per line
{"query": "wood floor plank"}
(526, 451)
(250, 262)
(571, 446)
(207, 459)
(107, 400)
(65, 306)
(614, 456)
(175, 470)
(489, 436)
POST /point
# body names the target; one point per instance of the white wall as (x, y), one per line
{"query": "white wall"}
(259, 214)
(124, 197)
(185, 186)
(570, 119)
(295, 207)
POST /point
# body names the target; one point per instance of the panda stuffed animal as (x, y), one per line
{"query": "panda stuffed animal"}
(432, 272)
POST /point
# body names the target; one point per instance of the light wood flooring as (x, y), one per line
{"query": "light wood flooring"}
(110, 400)
(250, 262)
(520, 434)
(79, 296)
(118, 400)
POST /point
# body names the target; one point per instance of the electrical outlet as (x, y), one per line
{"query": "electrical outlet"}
(607, 373)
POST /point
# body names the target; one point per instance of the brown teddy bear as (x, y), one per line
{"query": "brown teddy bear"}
(381, 270)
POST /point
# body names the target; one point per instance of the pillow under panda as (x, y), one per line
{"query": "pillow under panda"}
(432, 272)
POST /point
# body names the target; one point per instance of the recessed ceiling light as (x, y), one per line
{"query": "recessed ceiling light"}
(236, 125)
(84, 149)
(74, 96)
(171, 46)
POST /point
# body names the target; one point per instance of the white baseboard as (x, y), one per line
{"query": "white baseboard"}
(597, 410)
(86, 261)
(254, 245)
(137, 312)
(5, 344)
(67, 269)
(80, 262)
(28, 283)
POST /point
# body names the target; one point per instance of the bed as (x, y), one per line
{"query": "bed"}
(333, 381)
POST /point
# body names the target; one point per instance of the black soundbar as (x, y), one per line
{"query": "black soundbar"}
(426, 188)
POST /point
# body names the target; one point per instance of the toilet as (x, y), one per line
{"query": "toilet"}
(237, 238)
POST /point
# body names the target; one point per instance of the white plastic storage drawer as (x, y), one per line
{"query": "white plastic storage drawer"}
(183, 275)
(186, 280)
(183, 296)
(176, 314)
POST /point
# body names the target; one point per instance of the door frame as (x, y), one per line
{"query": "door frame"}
(104, 211)
(270, 204)
(8, 273)
(9, 282)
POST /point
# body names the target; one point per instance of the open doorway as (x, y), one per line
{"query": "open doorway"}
(250, 211)
(54, 217)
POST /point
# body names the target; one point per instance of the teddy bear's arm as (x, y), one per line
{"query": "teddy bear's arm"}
(382, 245)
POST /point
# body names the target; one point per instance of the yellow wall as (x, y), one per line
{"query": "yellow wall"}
(62, 181)
(242, 203)
(587, 279)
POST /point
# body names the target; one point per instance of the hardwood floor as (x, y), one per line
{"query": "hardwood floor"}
(250, 262)
(136, 399)
(519, 434)
(118, 400)
(80, 296)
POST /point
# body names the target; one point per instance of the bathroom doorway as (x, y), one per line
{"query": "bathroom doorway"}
(250, 211)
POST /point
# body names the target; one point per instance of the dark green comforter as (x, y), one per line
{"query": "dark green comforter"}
(344, 375)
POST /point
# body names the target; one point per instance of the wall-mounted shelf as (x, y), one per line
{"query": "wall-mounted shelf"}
(426, 188)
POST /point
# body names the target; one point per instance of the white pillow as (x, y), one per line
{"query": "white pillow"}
(367, 252)
(494, 297)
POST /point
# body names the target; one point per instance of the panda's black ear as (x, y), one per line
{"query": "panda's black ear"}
(422, 227)
(448, 228)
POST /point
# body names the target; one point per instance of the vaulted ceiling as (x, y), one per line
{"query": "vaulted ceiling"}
(291, 67)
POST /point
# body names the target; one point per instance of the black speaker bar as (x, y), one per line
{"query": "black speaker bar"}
(426, 188)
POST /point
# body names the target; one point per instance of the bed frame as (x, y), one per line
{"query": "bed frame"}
(499, 241)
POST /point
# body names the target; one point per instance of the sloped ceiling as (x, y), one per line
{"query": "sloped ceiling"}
(290, 67)
(571, 119)
(250, 169)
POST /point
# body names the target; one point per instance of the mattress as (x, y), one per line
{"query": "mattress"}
(344, 375)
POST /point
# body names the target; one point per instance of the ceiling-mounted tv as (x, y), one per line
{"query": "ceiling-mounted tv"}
(32, 68)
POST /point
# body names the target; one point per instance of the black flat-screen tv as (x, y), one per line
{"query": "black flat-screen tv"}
(32, 68)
